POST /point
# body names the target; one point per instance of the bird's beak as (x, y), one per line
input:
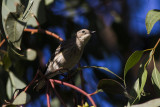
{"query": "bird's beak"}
(92, 32)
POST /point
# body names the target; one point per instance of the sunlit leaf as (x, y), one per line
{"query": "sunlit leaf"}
(143, 81)
(30, 54)
(156, 76)
(152, 17)
(111, 86)
(13, 83)
(138, 88)
(150, 56)
(84, 105)
(151, 103)
(21, 99)
(132, 61)
(14, 26)
(103, 68)
(48, 2)
(39, 11)
(15, 23)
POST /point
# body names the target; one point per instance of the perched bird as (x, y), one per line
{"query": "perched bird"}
(67, 55)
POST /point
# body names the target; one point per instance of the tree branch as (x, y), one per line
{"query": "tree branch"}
(76, 88)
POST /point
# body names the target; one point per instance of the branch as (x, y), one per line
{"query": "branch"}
(59, 97)
(31, 82)
(44, 31)
(47, 95)
(36, 31)
(82, 82)
(2, 42)
(76, 88)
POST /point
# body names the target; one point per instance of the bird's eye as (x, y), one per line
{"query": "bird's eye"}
(83, 31)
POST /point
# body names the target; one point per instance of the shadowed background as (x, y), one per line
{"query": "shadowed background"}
(120, 30)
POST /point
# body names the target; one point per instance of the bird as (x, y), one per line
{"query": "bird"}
(67, 55)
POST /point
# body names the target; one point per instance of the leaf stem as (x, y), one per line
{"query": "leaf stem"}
(152, 52)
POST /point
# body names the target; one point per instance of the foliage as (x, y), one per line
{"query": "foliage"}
(17, 90)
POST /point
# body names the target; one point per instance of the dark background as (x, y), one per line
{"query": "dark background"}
(120, 30)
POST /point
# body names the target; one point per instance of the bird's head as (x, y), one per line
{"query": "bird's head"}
(84, 35)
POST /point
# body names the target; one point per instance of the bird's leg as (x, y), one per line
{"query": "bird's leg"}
(41, 76)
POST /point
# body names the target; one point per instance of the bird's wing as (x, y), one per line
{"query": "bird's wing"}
(61, 47)
(64, 45)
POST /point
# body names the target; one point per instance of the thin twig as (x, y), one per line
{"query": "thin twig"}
(36, 21)
(59, 97)
(82, 83)
(154, 48)
(2, 42)
(31, 82)
(93, 93)
(44, 31)
(47, 95)
(76, 88)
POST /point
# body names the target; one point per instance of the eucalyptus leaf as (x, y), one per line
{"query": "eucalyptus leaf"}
(14, 26)
(103, 68)
(156, 76)
(143, 81)
(132, 61)
(151, 103)
(31, 54)
(9, 88)
(39, 11)
(21, 99)
(6, 62)
(152, 17)
(111, 86)
(48, 2)
(13, 83)
(138, 88)
(16, 22)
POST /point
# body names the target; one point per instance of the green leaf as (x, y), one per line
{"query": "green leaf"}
(103, 68)
(48, 2)
(13, 83)
(111, 86)
(136, 92)
(15, 23)
(156, 76)
(132, 61)
(6, 62)
(39, 11)
(14, 26)
(151, 103)
(30, 54)
(137, 87)
(21, 99)
(152, 17)
(143, 81)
